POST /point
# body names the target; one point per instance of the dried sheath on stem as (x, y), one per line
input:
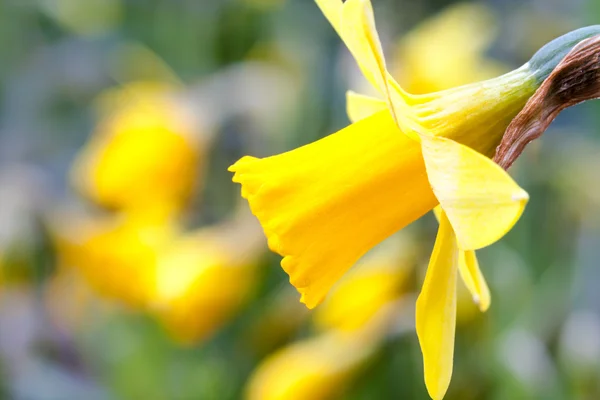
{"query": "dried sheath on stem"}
(575, 80)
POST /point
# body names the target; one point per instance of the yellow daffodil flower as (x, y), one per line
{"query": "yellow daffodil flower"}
(313, 369)
(324, 205)
(111, 253)
(377, 280)
(318, 368)
(447, 50)
(204, 277)
(147, 150)
(193, 283)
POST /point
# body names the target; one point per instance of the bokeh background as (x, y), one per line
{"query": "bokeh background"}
(130, 268)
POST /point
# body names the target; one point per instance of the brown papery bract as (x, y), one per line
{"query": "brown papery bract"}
(575, 80)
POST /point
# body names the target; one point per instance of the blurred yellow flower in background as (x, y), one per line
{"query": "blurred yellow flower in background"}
(317, 368)
(321, 367)
(116, 255)
(147, 150)
(205, 276)
(142, 162)
(192, 282)
(448, 50)
(350, 326)
(378, 279)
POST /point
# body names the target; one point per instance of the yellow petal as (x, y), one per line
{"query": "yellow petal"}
(318, 368)
(111, 253)
(359, 106)
(355, 23)
(360, 35)
(201, 284)
(480, 199)
(353, 20)
(468, 266)
(436, 312)
(324, 205)
(473, 279)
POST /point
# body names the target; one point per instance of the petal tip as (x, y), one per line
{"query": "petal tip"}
(307, 300)
(484, 306)
(521, 195)
(235, 167)
(482, 303)
(436, 392)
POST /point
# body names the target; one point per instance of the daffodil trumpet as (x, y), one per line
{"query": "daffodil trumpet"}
(324, 205)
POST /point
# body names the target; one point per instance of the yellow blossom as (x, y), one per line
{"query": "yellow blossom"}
(351, 324)
(193, 283)
(324, 205)
(204, 277)
(314, 369)
(384, 181)
(318, 368)
(111, 253)
(377, 280)
(146, 150)
(290, 202)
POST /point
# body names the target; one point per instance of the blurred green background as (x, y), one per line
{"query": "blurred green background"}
(129, 268)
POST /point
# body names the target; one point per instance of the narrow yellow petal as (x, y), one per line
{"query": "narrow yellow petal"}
(355, 23)
(471, 275)
(359, 106)
(480, 199)
(324, 205)
(436, 312)
(468, 266)
(360, 35)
